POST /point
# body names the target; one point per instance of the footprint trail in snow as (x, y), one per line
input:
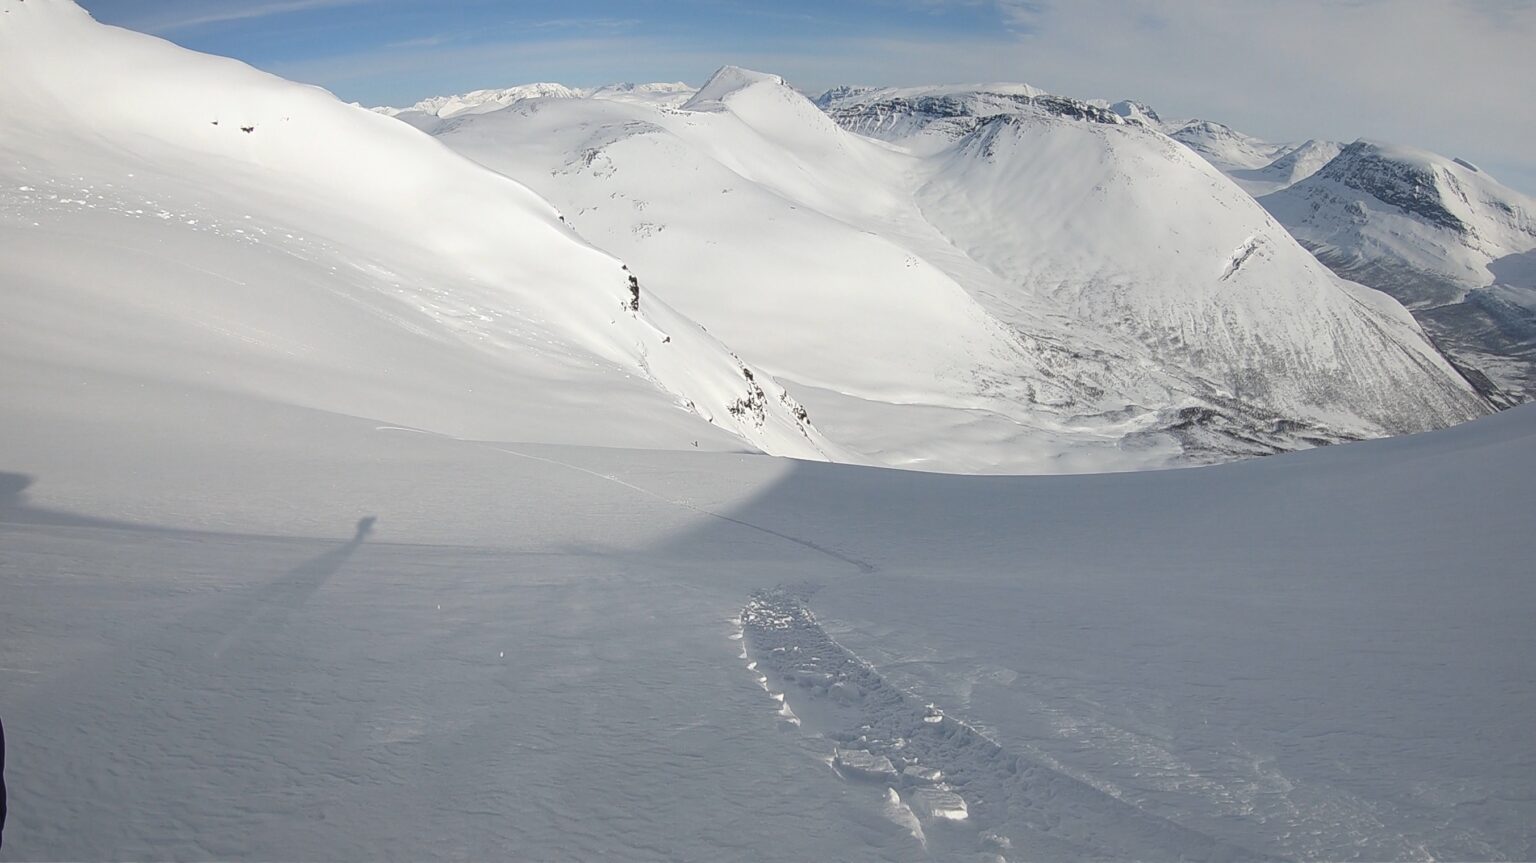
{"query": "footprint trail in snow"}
(960, 794)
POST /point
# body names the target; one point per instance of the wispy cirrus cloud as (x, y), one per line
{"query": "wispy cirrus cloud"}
(421, 41)
(216, 13)
(606, 24)
(1446, 75)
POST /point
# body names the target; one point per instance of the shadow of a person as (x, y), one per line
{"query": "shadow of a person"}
(364, 527)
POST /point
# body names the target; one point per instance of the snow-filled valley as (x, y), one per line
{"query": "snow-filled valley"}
(511, 477)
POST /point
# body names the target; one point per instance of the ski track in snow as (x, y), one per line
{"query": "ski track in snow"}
(957, 791)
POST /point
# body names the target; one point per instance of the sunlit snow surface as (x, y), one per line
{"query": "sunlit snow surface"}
(282, 577)
(1033, 291)
(1317, 656)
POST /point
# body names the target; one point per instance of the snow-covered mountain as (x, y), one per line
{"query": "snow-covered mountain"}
(1446, 239)
(175, 218)
(1224, 146)
(1295, 165)
(481, 101)
(937, 115)
(975, 329)
(1258, 166)
(1166, 304)
(1438, 234)
(1111, 222)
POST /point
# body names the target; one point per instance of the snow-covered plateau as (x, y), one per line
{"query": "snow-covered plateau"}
(511, 478)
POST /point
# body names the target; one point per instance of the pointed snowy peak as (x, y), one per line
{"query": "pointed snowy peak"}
(1225, 147)
(726, 82)
(1304, 161)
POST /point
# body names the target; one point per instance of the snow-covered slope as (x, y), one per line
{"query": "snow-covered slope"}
(1224, 146)
(1292, 167)
(174, 217)
(570, 651)
(1258, 166)
(480, 101)
(1103, 220)
(931, 118)
(963, 341)
(758, 215)
(1438, 234)
(272, 588)
(656, 93)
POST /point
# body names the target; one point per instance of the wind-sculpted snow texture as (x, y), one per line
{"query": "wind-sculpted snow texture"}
(966, 794)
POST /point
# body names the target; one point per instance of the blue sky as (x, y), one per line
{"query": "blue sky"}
(1447, 75)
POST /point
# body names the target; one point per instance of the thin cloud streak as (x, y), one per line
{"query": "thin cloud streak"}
(261, 10)
(585, 24)
(1445, 75)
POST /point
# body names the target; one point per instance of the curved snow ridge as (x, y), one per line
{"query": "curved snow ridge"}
(970, 793)
(726, 81)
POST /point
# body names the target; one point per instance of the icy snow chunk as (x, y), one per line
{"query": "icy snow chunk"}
(939, 803)
(865, 764)
(916, 773)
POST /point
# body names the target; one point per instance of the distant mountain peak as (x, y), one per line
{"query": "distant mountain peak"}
(1133, 110)
(726, 81)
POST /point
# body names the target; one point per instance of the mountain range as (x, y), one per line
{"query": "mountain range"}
(982, 278)
(1018, 281)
